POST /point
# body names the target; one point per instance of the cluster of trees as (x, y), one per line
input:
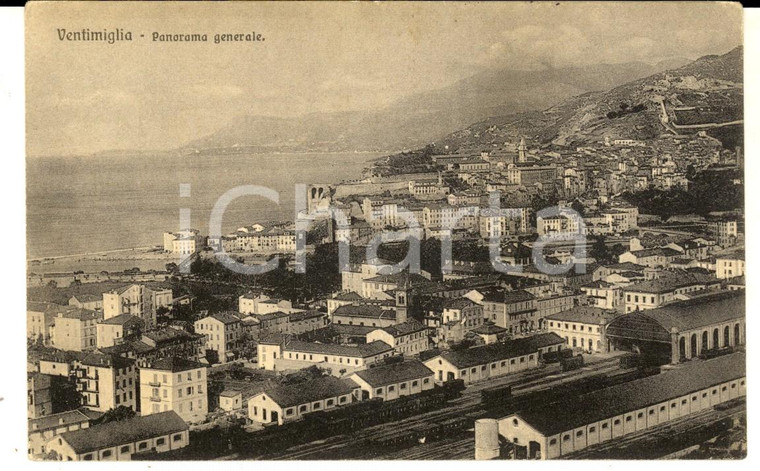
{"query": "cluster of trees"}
(709, 190)
(625, 109)
(602, 253)
(321, 278)
(412, 161)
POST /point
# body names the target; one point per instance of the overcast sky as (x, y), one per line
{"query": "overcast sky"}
(86, 97)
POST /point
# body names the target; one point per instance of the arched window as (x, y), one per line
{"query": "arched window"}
(704, 341)
(737, 334)
(726, 340)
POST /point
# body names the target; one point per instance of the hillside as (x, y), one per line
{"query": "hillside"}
(417, 120)
(707, 90)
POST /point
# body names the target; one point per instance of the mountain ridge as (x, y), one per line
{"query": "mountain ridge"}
(712, 82)
(419, 119)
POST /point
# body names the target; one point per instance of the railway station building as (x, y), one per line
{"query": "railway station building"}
(682, 330)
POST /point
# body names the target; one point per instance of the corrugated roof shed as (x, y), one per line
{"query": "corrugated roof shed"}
(639, 394)
(314, 390)
(395, 373)
(124, 431)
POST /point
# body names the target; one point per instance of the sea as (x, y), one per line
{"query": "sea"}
(79, 205)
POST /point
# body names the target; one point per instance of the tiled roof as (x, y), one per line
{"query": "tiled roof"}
(168, 335)
(597, 284)
(71, 312)
(123, 432)
(123, 319)
(659, 251)
(225, 317)
(405, 328)
(585, 315)
(488, 353)
(458, 303)
(671, 280)
(105, 360)
(394, 373)
(87, 298)
(367, 311)
(399, 279)
(174, 364)
(349, 296)
(489, 329)
(315, 390)
(508, 297)
(37, 306)
(269, 316)
(359, 351)
(301, 316)
(230, 393)
(57, 420)
(616, 400)
(625, 266)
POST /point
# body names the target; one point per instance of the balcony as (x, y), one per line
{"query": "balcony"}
(155, 399)
(155, 384)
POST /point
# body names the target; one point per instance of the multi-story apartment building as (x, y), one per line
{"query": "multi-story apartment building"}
(87, 301)
(74, 329)
(115, 330)
(406, 338)
(39, 320)
(138, 300)
(451, 217)
(185, 242)
(498, 223)
(530, 174)
(604, 295)
(726, 230)
(39, 400)
(582, 327)
(560, 225)
(730, 265)
(665, 289)
(174, 384)
(222, 332)
(307, 321)
(106, 381)
(515, 311)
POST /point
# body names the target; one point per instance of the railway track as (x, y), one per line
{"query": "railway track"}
(469, 403)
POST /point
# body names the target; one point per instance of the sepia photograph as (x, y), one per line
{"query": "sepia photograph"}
(384, 231)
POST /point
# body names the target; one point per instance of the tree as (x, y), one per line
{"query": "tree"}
(599, 250)
(63, 394)
(578, 207)
(212, 356)
(115, 415)
(172, 267)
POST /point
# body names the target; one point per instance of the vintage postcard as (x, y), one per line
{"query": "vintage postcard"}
(385, 231)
